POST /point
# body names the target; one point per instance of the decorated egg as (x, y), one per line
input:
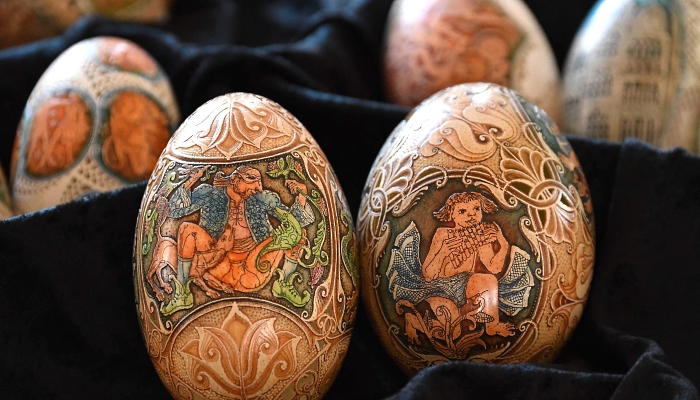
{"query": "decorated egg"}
(97, 120)
(632, 71)
(476, 233)
(433, 44)
(244, 259)
(5, 199)
(26, 21)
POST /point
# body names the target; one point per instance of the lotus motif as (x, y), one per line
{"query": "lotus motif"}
(240, 359)
(228, 125)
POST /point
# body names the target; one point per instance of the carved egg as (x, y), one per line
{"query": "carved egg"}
(26, 21)
(244, 259)
(97, 120)
(634, 71)
(5, 199)
(476, 233)
(433, 44)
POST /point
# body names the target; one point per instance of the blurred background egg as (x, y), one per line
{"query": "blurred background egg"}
(5, 199)
(24, 21)
(98, 119)
(245, 270)
(634, 71)
(476, 233)
(434, 44)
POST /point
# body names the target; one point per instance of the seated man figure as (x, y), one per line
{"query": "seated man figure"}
(224, 250)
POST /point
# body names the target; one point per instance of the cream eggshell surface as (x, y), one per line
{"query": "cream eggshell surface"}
(434, 44)
(634, 71)
(476, 233)
(244, 259)
(97, 119)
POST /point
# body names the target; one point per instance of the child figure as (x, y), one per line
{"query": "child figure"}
(472, 247)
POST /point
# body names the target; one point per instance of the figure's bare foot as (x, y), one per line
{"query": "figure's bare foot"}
(220, 286)
(217, 284)
(156, 289)
(411, 331)
(501, 329)
(158, 275)
(412, 335)
(209, 292)
(227, 288)
(168, 289)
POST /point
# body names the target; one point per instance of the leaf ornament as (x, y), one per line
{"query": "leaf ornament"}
(474, 134)
(240, 359)
(231, 124)
(533, 179)
(572, 288)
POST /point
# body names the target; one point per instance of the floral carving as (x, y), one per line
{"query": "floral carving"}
(474, 132)
(98, 118)
(532, 178)
(241, 359)
(227, 125)
(572, 288)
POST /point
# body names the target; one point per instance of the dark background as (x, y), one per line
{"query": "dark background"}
(68, 327)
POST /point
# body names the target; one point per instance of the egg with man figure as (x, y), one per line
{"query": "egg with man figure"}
(476, 232)
(97, 120)
(244, 259)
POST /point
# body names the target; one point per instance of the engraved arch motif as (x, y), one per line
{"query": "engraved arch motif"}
(236, 125)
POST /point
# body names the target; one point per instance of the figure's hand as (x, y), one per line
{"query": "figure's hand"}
(452, 244)
(499, 235)
(295, 187)
(452, 248)
(194, 177)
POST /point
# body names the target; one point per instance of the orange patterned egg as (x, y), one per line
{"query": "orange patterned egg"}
(26, 21)
(434, 44)
(244, 259)
(476, 233)
(97, 119)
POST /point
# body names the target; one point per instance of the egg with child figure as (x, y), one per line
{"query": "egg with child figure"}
(97, 119)
(476, 232)
(244, 259)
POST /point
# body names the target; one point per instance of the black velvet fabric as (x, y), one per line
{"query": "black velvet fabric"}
(68, 327)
